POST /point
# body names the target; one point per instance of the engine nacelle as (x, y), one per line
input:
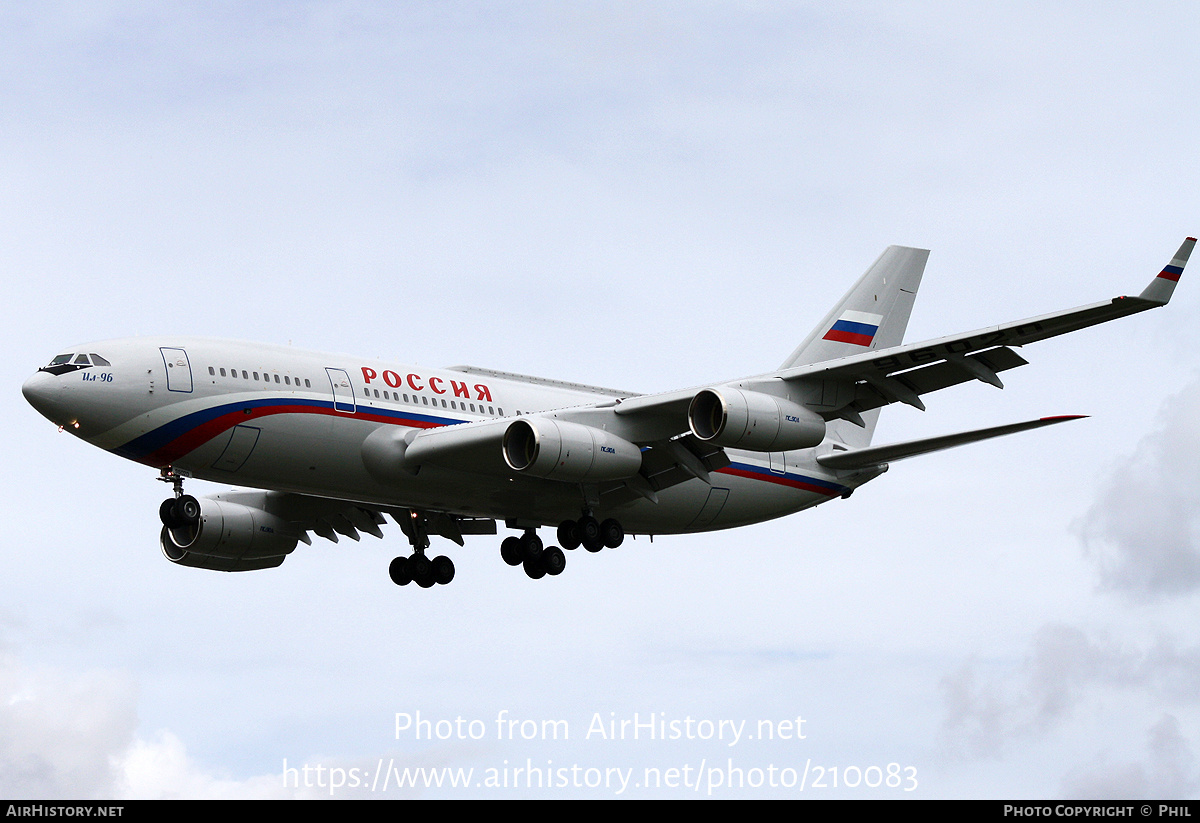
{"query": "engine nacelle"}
(229, 537)
(557, 450)
(752, 420)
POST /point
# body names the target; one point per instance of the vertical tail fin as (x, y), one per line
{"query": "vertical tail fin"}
(873, 315)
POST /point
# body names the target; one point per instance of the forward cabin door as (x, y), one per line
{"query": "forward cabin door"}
(179, 369)
(343, 392)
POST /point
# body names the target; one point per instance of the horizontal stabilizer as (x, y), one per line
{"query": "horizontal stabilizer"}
(875, 455)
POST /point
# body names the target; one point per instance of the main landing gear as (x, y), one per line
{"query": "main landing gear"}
(538, 561)
(417, 568)
(590, 533)
(527, 551)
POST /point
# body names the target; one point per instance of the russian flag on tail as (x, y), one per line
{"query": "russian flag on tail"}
(856, 327)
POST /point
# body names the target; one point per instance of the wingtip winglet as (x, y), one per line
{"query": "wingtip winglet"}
(1163, 285)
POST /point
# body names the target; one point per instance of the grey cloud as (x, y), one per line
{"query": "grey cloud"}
(1168, 770)
(1066, 674)
(1143, 531)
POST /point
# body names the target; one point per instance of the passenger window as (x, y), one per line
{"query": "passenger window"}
(307, 385)
(287, 380)
(246, 376)
(222, 371)
(212, 371)
(276, 378)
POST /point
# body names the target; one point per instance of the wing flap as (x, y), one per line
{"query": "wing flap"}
(872, 393)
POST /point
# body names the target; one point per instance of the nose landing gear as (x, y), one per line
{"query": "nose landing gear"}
(182, 510)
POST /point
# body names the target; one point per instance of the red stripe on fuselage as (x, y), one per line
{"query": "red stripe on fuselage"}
(780, 480)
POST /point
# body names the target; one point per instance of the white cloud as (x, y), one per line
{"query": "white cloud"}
(161, 769)
(73, 736)
(60, 734)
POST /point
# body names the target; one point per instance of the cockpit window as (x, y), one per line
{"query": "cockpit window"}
(65, 363)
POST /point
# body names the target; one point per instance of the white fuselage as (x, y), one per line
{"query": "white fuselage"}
(273, 417)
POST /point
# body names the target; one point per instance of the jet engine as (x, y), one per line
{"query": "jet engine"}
(229, 537)
(752, 420)
(558, 450)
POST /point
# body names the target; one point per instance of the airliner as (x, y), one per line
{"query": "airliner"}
(327, 445)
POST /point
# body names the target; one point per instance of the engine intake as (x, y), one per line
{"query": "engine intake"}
(753, 420)
(229, 537)
(558, 450)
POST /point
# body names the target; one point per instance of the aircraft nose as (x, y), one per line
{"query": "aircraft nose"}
(43, 391)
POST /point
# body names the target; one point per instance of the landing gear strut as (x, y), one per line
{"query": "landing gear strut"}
(417, 568)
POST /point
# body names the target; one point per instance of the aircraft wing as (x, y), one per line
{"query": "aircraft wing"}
(657, 425)
(855, 384)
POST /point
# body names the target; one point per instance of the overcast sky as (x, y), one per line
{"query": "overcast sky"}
(646, 195)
